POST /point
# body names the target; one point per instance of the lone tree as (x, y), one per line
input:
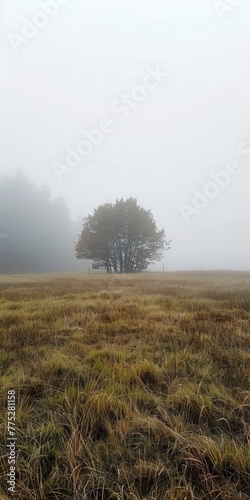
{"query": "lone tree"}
(121, 238)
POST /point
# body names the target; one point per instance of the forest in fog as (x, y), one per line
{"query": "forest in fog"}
(37, 234)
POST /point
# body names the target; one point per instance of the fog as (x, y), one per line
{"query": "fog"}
(104, 100)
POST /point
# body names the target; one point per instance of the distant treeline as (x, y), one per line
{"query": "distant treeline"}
(36, 232)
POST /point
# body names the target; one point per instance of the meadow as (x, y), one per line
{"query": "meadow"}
(128, 387)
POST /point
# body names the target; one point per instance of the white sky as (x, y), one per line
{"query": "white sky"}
(66, 78)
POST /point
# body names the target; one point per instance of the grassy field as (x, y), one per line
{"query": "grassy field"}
(127, 387)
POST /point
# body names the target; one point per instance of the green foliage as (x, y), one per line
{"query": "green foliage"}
(121, 238)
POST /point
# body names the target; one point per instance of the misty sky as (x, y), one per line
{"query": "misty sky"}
(75, 71)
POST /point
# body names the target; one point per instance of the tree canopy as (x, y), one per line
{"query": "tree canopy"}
(121, 238)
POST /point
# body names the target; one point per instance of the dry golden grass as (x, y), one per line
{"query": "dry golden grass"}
(128, 387)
